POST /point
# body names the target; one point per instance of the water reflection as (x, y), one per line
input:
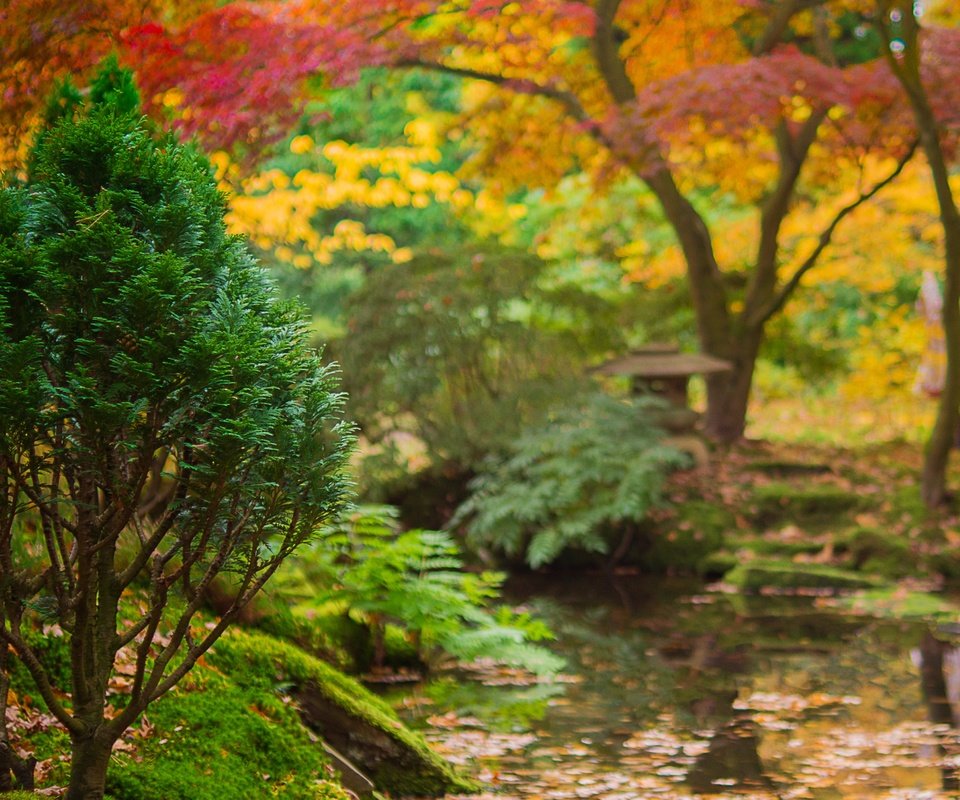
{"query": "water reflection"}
(731, 760)
(941, 695)
(680, 693)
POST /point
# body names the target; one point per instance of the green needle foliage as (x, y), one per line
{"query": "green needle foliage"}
(590, 473)
(415, 581)
(142, 347)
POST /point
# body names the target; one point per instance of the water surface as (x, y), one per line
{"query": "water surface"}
(674, 692)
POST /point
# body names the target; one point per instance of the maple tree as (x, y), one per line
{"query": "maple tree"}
(41, 41)
(764, 101)
(679, 95)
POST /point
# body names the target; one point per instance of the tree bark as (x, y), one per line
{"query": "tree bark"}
(906, 68)
(88, 766)
(728, 394)
(944, 433)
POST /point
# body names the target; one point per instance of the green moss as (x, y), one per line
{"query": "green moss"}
(715, 565)
(682, 542)
(334, 638)
(400, 651)
(257, 661)
(782, 502)
(906, 502)
(878, 553)
(895, 604)
(53, 652)
(50, 745)
(777, 547)
(757, 575)
(224, 741)
(785, 468)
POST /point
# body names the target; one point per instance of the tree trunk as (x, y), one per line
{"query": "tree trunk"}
(906, 68)
(944, 433)
(88, 767)
(728, 393)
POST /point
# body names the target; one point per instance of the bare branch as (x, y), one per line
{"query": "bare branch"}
(792, 151)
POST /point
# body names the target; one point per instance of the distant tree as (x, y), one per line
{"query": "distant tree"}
(761, 99)
(134, 330)
(921, 62)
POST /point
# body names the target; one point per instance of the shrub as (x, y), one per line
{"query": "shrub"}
(461, 349)
(590, 473)
(134, 330)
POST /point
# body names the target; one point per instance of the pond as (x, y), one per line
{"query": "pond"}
(675, 692)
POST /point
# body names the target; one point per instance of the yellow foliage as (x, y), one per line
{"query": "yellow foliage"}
(944, 12)
(278, 211)
(172, 98)
(301, 144)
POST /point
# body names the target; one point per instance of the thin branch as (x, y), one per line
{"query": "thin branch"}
(567, 98)
(606, 51)
(792, 151)
(40, 677)
(776, 26)
(825, 238)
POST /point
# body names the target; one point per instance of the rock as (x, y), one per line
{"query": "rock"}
(781, 503)
(873, 551)
(350, 776)
(357, 724)
(756, 575)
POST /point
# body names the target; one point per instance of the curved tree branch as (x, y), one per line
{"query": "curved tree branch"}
(563, 96)
(826, 236)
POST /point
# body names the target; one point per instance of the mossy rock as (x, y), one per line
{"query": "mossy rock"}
(358, 724)
(222, 740)
(945, 564)
(756, 575)
(682, 542)
(781, 502)
(777, 547)
(335, 638)
(716, 565)
(906, 501)
(873, 551)
(893, 603)
(785, 468)
(399, 651)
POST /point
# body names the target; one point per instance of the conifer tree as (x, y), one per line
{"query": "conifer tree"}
(135, 332)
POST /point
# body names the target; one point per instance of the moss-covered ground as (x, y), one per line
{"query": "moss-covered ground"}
(234, 728)
(777, 516)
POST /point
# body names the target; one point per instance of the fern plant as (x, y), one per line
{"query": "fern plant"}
(588, 475)
(364, 565)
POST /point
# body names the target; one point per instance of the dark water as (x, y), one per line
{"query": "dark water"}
(675, 693)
